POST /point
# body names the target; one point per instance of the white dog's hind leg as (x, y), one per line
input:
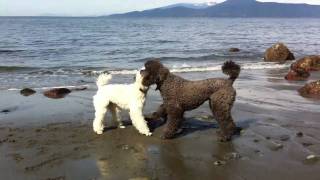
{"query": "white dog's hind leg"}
(115, 111)
(119, 118)
(139, 122)
(100, 107)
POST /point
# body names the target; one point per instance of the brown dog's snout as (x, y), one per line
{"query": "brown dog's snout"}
(143, 73)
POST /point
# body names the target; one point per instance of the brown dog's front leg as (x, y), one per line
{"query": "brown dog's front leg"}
(160, 113)
(175, 117)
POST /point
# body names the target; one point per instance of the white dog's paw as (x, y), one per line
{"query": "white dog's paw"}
(148, 133)
(98, 130)
(121, 126)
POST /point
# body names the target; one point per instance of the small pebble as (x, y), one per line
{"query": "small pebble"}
(256, 140)
(306, 144)
(299, 134)
(219, 163)
(276, 146)
(284, 137)
(312, 158)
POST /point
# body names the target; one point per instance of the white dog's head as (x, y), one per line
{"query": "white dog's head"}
(139, 78)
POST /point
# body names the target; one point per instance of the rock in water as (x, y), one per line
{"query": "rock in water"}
(300, 69)
(27, 92)
(57, 93)
(311, 90)
(308, 63)
(234, 50)
(278, 53)
(297, 75)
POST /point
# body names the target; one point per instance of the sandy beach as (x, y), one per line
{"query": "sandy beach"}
(42, 138)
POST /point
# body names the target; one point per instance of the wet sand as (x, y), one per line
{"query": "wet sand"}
(42, 138)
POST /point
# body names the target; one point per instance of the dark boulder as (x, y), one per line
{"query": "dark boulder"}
(57, 93)
(27, 92)
(311, 90)
(278, 53)
(234, 50)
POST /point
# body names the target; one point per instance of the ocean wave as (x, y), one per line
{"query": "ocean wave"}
(15, 68)
(217, 56)
(189, 68)
(176, 68)
(9, 51)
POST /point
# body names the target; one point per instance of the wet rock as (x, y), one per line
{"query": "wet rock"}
(308, 63)
(299, 134)
(234, 50)
(57, 93)
(278, 53)
(219, 163)
(310, 90)
(27, 92)
(300, 70)
(297, 75)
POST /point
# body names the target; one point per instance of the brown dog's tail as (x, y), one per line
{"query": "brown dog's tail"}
(231, 69)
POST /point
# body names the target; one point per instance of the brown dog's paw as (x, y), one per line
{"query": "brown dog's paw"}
(169, 135)
(222, 137)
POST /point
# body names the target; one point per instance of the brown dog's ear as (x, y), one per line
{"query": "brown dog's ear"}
(153, 65)
(163, 73)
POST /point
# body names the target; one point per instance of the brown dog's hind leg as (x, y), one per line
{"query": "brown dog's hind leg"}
(175, 117)
(221, 103)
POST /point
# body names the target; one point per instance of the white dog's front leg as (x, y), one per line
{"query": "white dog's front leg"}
(100, 112)
(138, 121)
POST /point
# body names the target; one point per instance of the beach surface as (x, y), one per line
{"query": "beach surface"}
(42, 138)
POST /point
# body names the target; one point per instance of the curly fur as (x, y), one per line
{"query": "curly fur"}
(180, 95)
(115, 97)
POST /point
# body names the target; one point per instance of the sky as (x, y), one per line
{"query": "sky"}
(95, 7)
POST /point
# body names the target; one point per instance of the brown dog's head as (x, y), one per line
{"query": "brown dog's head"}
(155, 72)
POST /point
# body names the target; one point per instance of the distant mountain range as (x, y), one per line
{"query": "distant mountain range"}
(230, 8)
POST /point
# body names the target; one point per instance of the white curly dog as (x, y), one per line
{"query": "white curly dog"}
(115, 97)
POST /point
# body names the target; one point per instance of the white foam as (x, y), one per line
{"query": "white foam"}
(188, 68)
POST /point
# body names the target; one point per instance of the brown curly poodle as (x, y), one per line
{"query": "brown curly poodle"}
(180, 95)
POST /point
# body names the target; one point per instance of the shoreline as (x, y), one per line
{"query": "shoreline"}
(42, 139)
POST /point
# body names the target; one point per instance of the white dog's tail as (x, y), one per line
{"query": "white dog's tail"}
(103, 79)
